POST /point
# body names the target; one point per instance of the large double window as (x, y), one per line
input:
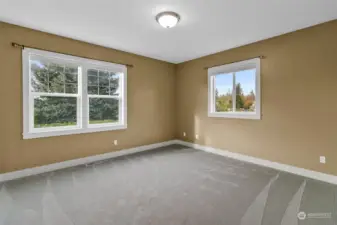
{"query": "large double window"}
(234, 90)
(67, 95)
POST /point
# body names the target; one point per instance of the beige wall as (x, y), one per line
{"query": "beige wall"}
(298, 79)
(151, 90)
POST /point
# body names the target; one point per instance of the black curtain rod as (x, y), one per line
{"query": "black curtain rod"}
(260, 56)
(16, 45)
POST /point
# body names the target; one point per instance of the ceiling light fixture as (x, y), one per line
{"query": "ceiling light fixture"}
(168, 19)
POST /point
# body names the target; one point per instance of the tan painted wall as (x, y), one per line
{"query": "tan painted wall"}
(299, 80)
(299, 122)
(151, 104)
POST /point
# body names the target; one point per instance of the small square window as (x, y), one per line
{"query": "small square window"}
(234, 90)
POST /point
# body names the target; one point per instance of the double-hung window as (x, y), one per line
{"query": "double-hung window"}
(234, 90)
(64, 95)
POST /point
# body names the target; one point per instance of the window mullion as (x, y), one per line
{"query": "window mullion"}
(64, 78)
(104, 96)
(109, 75)
(37, 94)
(98, 82)
(85, 99)
(48, 77)
(234, 94)
(123, 94)
(213, 104)
(31, 112)
(120, 110)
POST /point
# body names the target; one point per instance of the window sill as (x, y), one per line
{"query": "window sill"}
(243, 115)
(31, 135)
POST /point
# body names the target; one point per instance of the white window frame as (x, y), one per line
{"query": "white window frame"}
(82, 96)
(233, 68)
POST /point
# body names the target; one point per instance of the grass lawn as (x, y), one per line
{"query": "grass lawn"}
(55, 124)
(102, 121)
(72, 123)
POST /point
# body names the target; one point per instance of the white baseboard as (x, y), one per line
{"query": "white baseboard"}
(266, 163)
(80, 161)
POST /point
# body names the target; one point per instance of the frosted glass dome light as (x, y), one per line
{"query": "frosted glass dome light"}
(168, 19)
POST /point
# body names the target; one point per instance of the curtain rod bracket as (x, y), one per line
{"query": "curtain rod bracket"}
(16, 45)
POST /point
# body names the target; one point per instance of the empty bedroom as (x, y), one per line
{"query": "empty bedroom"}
(218, 112)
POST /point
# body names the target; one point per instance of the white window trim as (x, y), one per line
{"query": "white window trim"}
(232, 68)
(83, 125)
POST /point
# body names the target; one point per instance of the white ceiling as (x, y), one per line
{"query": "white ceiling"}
(206, 26)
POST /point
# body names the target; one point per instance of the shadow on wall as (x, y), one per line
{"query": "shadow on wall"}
(194, 126)
(200, 132)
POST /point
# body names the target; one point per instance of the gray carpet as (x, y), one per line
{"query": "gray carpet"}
(171, 185)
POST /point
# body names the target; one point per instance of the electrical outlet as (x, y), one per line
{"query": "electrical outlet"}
(197, 136)
(115, 142)
(322, 159)
(184, 134)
